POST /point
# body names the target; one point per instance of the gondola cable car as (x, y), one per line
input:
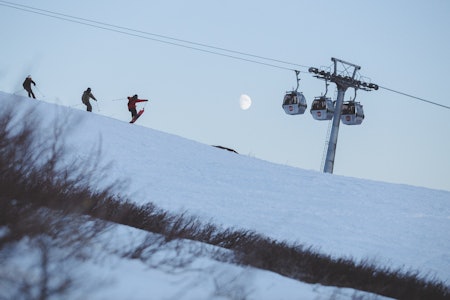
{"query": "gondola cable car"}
(352, 112)
(322, 108)
(294, 102)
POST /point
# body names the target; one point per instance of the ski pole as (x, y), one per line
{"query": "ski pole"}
(98, 107)
(42, 94)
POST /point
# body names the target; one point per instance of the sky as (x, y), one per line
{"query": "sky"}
(195, 94)
(389, 225)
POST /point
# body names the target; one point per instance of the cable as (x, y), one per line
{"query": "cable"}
(141, 34)
(411, 96)
(84, 22)
(162, 36)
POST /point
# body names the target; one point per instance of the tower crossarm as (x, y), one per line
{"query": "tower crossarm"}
(345, 76)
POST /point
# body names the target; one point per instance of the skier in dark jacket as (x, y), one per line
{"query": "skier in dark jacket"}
(27, 86)
(85, 99)
(132, 104)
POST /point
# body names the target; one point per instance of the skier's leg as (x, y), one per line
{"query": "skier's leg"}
(34, 97)
(89, 107)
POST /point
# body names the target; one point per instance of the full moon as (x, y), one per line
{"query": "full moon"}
(245, 102)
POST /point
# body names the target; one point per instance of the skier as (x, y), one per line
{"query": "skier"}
(85, 99)
(132, 105)
(27, 86)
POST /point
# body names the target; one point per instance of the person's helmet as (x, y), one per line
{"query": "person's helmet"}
(135, 96)
(88, 89)
(29, 76)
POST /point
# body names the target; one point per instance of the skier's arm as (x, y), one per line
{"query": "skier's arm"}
(141, 100)
(92, 96)
(34, 83)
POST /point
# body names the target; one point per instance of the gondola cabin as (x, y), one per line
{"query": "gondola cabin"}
(352, 113)
(322, 108)
(294, 103)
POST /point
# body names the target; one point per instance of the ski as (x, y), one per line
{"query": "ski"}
(137, 116)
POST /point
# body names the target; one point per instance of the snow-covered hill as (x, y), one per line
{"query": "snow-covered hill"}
(390, 224)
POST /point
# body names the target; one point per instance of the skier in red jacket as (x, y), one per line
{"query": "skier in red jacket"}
(132, 104)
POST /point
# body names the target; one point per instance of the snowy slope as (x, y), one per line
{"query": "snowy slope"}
(391, 224)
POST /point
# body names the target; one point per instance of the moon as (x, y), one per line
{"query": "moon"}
(245, 102)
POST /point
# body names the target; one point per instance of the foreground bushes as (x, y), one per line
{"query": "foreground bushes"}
(32, 176)
(253, 249)
(40, 248)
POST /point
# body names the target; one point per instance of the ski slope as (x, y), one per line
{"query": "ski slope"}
(390, 224)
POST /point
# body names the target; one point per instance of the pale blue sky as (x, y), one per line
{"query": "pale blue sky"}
(402, 45)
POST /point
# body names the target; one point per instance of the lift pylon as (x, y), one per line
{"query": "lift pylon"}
(344, 75)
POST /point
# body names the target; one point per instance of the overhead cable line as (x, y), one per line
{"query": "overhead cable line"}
(411, 96)
(178, 42)
(161, 36)
(142, 34)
